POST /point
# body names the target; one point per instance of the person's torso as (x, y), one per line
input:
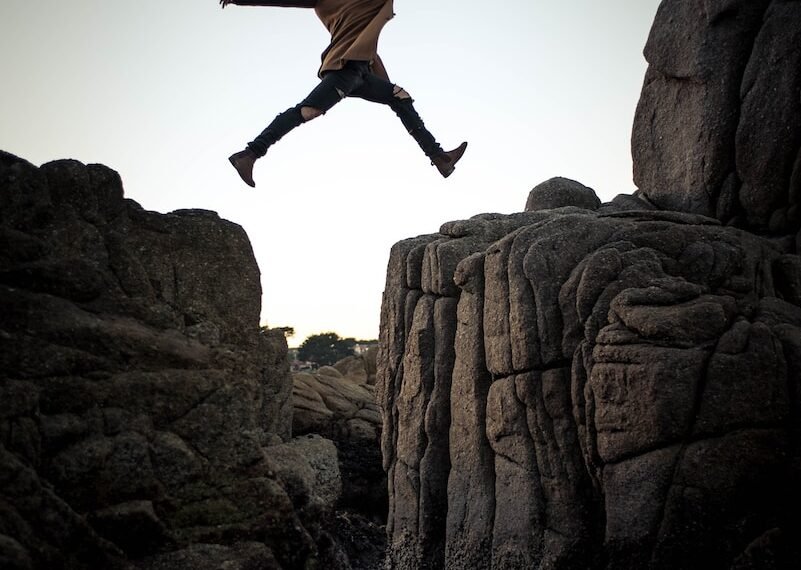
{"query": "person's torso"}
(344, 17)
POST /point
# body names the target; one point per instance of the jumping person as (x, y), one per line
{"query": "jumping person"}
(350, 68)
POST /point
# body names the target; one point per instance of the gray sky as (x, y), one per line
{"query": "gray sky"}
(164, 91)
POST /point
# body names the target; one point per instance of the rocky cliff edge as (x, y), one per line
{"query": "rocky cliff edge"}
(617, 386)
(145, 417)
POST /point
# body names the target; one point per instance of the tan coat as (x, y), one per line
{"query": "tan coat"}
(354, 26)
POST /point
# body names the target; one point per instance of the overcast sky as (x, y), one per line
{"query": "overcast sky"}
(164, 91)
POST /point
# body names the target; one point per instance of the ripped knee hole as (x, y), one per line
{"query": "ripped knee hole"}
(400, 93)
(309, 113)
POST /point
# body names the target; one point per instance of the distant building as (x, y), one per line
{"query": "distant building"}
(301, 366)
(363, 346)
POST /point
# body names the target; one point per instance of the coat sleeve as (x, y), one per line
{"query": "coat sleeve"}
(280, 3)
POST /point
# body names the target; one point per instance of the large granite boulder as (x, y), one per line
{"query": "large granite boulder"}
(560, 192)
(591, 391)
(144, 414)
(718, 128)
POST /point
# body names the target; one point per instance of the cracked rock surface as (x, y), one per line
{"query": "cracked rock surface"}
(718, 127)
(338, 402)
(342, 408)
(145, 418)
(603, 391)
(617, 386)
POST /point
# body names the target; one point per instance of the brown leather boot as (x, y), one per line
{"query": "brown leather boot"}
(446, 162)
(243, 162)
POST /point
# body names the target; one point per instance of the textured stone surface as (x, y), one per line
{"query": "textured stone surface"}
(238, 556)
(561, 192)
(342, 409)
(142, 409)
(613, 389)
(359, 369)
(338, 402)
(416, 361)
(718, 126)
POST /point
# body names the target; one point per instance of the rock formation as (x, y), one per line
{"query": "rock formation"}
(342, 408)
(577, 386)
(145, 418)
(617, 386)
(718, 127)
(359, 368)
(344, 411)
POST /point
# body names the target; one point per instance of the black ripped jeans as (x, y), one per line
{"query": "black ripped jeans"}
(353, 80)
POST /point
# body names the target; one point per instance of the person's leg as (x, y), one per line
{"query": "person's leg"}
(377, 90)
(333, 87)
